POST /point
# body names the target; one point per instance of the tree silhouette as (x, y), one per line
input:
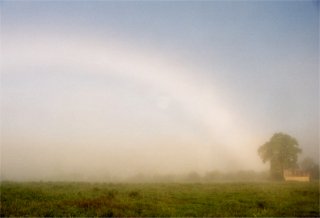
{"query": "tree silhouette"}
(282, 152)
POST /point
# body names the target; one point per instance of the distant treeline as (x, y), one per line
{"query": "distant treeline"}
(191, 177)
(212, 176)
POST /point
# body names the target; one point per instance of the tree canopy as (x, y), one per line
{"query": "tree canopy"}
(282, 152)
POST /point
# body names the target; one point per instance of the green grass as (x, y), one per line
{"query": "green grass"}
(183, 200)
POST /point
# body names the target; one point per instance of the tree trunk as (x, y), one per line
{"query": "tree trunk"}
(276, 170)
(282, 173)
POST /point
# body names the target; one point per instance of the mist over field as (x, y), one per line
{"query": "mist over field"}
(107, 91)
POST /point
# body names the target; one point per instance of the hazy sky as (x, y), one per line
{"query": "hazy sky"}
(103, 88)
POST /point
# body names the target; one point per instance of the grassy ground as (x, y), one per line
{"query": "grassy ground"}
(102, 199)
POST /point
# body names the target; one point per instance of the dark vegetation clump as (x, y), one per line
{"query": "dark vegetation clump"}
(134, 194)
(111, 194)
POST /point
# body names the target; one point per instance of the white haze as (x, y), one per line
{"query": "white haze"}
(78, 106)
(112, 110)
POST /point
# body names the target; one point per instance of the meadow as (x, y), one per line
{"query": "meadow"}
(52, 199)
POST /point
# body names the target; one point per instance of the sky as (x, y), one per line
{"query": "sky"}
(103, 89)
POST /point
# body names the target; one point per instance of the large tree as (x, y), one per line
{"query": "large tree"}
(282, 152)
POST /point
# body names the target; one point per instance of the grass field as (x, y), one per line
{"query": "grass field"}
(215, 199)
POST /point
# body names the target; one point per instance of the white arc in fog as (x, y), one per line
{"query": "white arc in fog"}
(197, 96)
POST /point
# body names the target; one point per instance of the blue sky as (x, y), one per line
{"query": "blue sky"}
(198, 84)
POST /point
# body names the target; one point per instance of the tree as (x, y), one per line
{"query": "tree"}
(308, 165)
(282, 152)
